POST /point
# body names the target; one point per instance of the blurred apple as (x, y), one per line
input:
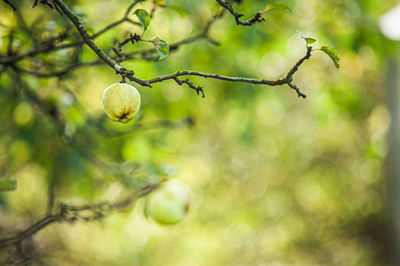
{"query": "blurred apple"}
(169, 204)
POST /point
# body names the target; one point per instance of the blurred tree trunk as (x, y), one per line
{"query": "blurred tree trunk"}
(393, 83)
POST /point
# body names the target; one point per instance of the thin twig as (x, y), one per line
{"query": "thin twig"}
(228, 6)
(47, 46)
(198, 89)
(100, 53)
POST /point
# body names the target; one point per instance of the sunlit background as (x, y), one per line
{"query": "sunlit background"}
(276, 179)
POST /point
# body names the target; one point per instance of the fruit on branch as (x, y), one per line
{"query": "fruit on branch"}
(121, 102)
(169, 204)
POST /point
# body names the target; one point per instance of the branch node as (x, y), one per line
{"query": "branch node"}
(228, 6)
(198, 89)
(297, 89)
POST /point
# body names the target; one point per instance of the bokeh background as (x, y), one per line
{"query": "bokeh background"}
(276, 179)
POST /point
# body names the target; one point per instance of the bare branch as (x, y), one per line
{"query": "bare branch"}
(301, 61)
(228, 6)
(72, 213)
(116, 23)
(198, 89)
(132, 39)
(174, 46)
(216, 76)
(85, 35)
(49, 45)
(131, 6)
(113, 25)
(125, 73)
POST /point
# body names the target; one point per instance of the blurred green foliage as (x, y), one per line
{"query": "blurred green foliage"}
(276, 180)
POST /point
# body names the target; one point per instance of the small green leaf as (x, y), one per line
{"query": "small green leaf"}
(8, 183)
(143, 17)
(277, 5)
(162, 49)
(333, 54)
(309, 40)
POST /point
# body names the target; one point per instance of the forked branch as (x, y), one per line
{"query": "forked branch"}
(228, 6)
(125, 73)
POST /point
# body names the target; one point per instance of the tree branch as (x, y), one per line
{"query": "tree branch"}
(216, 76)
(72, 213)
(116, 23)
(175, 46)
(49, 45)
(286, 80)
(228, 6)
(125, 73)
(85, 35)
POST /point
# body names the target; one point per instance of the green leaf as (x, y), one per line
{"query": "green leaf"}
(333, 54)
(8, 183)
(162, 49)
(143, 17)
(309, 40)
(277, 5)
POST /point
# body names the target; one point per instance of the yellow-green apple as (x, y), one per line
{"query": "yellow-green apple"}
(121, 102)
(169, 204)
